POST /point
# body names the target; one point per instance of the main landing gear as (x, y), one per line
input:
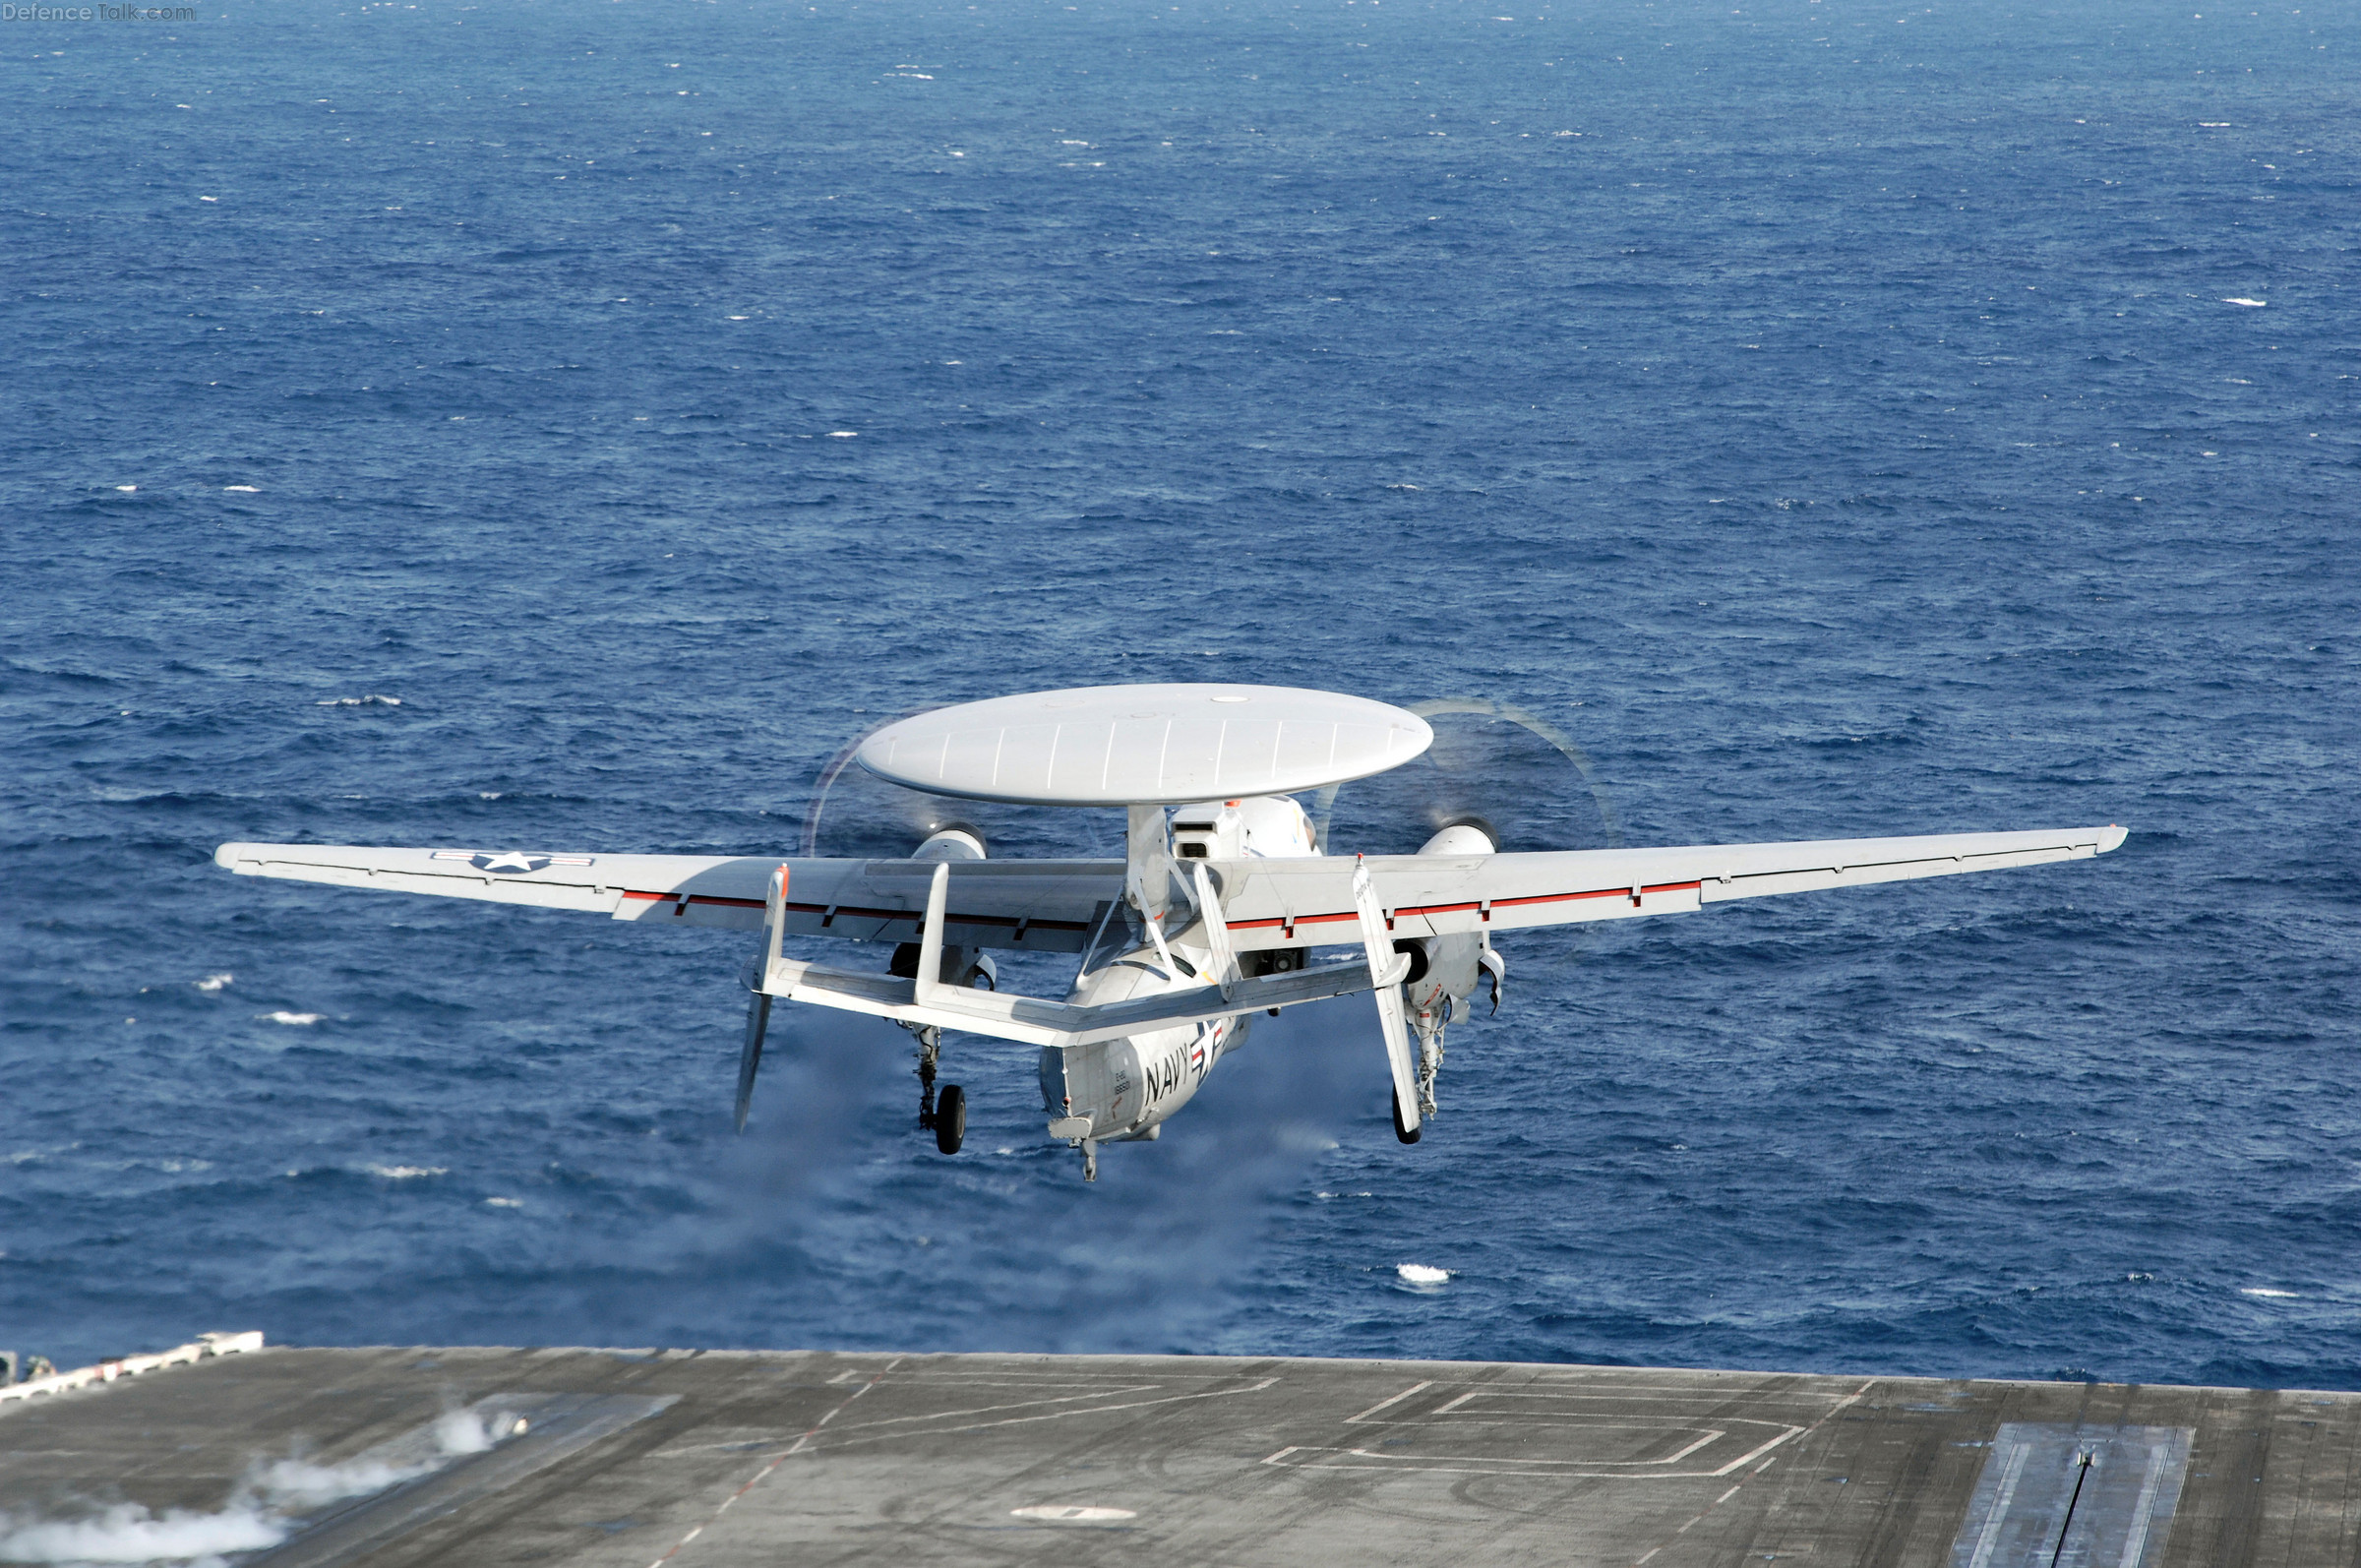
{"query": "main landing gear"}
(1405, 1133)
(945, 1116)
(951, 1120)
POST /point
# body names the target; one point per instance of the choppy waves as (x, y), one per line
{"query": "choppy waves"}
(1809, 461)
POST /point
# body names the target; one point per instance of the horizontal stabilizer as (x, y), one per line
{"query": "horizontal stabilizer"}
(1056, 1024)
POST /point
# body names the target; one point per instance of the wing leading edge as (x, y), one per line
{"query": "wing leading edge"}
(1287, 903)
(1052, 906)
(1041, 906)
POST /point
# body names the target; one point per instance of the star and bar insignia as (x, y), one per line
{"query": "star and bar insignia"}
(509, 863)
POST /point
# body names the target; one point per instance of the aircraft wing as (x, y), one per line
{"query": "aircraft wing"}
(1294, 903)
(1041, 906)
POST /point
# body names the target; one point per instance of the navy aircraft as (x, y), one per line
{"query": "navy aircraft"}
(1214, 914)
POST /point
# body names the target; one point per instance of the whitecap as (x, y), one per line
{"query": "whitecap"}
(841, 434)
(215, 981)
(2257, 1290)
(403, 1173)
(2252, 303)
(504, 1203)
(127, 488)
(251, 490)
(371, 700)
(1421, 1274)
(282, 1016)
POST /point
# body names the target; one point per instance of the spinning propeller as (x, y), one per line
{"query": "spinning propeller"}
(1506, 770)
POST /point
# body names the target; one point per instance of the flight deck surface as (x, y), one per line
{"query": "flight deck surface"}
(731, 1459)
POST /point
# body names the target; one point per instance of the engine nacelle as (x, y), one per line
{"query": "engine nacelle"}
(961, 966)
(1444, 967)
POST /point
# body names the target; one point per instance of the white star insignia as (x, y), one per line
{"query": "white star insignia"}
(512, 860)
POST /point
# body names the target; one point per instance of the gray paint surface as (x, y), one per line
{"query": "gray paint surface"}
(2068, 1496)
(720, 1459)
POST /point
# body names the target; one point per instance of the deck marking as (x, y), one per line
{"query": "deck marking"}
(1766, 1464)
(2106, 1494)
(1383, 1403)
(2136, 1543)
(791, 1451)
(2000, 1506)
(994, 1410)
(1365, 1459)
(1255, 1387)
(1370, 1461)
(1792, 1431)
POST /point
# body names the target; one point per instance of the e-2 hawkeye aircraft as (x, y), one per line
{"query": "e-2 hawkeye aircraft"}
(1213, 915)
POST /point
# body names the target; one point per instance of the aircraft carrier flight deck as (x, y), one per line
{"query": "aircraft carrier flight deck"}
(732, 1459)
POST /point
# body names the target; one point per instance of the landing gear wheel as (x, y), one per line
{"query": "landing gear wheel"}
(950, 1119)
(1406, 1135)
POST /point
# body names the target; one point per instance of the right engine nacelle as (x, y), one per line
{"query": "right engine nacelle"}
(1445, 966)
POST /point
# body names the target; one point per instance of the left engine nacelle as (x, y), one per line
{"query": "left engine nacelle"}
(961, 966)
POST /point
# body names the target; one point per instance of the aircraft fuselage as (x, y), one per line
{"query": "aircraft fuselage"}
(1128, 1086)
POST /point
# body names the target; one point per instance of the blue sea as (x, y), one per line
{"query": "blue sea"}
(565, 427)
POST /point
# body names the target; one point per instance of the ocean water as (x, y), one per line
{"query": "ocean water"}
(565, 427)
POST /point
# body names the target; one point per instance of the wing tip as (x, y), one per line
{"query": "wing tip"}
(226, 856)
(2112, 836)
